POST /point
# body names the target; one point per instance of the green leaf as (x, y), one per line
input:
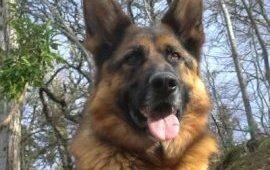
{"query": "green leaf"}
(32, 57)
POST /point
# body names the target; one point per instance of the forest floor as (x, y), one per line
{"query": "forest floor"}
(249, 156)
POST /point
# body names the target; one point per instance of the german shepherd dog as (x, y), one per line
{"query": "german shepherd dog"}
(149, 107)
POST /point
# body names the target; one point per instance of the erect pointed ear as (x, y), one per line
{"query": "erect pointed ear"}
(105, 26)
(185, 18)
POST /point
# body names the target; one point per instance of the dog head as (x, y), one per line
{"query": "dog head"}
(148, 87)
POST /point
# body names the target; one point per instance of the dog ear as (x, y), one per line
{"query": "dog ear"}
(105, 26)
(185, 18)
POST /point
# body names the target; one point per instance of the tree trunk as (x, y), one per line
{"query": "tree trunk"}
(264, 13)
(261, 41)
(3, 103)
(253, 129)
(3, 137)
(10, 128)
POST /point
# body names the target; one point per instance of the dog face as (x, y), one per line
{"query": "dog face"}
(148, 87)
(153, 94)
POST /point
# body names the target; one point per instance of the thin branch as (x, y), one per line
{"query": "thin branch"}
(129, 9)
(69, 33)
(55, 74)
(67, 162)
(47, 116)
(53, 97)
(146, 9)
(62, 103)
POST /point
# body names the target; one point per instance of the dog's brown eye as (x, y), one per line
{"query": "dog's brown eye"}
(135, 57)
(174, 57)
(131, 59)
(171, 55)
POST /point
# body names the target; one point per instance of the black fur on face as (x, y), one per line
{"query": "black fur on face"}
(152, 85)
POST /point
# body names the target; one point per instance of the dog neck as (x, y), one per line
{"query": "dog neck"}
(92, 152)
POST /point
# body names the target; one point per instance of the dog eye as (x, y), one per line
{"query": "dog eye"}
(135, 57)
(173, 57)
(131, 59)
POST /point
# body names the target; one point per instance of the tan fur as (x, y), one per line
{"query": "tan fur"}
(105, 140)
(189, 151)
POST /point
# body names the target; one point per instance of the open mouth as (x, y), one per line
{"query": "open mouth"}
(162, 121)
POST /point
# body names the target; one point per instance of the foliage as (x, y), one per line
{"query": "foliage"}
(30, 58)
(239, 158)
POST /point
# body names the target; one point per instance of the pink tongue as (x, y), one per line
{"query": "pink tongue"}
(164, 128)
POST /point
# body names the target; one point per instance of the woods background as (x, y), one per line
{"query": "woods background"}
(46, 75)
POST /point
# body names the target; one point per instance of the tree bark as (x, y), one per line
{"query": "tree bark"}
(10, 134)
(253, 129)
(3, 137)
(261, 42)
(3, 103)
(264, 13)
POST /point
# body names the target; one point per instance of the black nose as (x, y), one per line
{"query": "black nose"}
(163, 83)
